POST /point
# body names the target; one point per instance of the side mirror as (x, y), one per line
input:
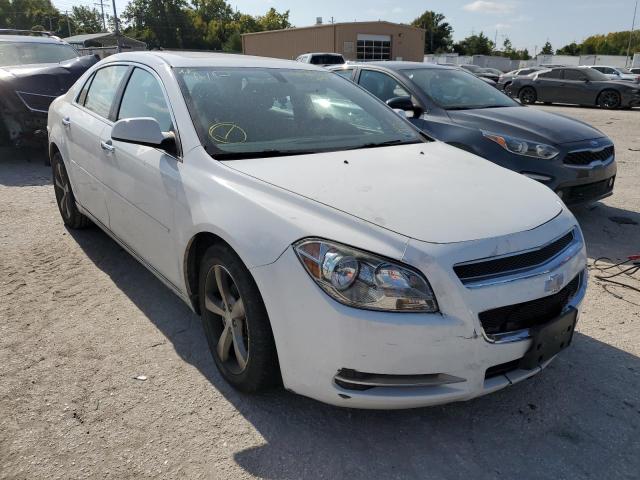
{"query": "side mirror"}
(144, 131)
(406, 105)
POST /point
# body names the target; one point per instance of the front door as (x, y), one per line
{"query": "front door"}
(143, 180)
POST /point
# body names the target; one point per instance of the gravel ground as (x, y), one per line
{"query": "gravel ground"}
(80, 318)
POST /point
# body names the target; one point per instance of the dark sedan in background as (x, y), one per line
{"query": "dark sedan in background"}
(572, 158)
(35, 68)
(575, 85)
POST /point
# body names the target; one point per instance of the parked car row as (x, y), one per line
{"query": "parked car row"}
(326, 242)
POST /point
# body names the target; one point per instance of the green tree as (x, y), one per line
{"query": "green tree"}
(437, 37)
(474, 45)
(272, 20)
(85, 20)
(547, 49)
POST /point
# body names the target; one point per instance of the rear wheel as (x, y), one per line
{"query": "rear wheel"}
(609, 99)
(528, 96)
(235, 322)
(65, 199)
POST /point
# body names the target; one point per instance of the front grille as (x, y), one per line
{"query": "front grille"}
(35, 101)
(528, 314)
(583, 193)
(586, 157)
(505, 265)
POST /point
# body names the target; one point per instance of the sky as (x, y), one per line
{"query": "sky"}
(527, 23)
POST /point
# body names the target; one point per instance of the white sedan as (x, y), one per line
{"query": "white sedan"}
(326, 244)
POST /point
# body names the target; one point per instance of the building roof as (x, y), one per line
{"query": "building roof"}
(104, 38)
(324, 25)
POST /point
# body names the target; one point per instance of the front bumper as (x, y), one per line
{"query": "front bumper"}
(319, 341)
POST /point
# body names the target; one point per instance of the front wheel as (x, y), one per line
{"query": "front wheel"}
(235, 322)
(609, 99)
(528, 96)
(65, 199)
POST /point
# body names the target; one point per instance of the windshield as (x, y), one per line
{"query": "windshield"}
(623, 70)
(457, 90)
(327, 59)
(258, 112)
(472, 68)
(17, 53)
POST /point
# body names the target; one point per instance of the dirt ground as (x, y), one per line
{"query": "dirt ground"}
(80, 319)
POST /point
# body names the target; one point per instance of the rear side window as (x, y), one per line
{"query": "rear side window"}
(103, 89)
(551, 74)
(348, 73)
(381, 85)
(143, 97)
(574, 75)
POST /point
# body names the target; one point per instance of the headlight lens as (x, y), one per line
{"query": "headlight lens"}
(523, 147)
(363, 280)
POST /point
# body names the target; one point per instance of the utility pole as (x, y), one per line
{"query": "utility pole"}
(117, 24)
(66, 14)
(104, 22)
(633, 25)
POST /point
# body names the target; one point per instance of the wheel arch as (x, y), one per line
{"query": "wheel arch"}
(195, 250)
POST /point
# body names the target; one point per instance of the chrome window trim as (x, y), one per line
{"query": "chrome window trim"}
(508, 276)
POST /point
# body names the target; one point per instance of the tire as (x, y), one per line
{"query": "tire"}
(246, 356)
(527, 96)
(64, 196)
(609, 99)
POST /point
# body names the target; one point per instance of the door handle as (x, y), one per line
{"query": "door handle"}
(66, 121)
(106, 146)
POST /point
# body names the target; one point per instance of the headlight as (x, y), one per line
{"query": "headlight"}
(363, 280)
(523, 147)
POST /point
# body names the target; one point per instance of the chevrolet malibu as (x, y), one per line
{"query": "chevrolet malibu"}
(324, 241)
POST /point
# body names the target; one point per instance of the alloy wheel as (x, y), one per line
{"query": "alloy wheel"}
(223, 299)
(609, 99)
(63, 190)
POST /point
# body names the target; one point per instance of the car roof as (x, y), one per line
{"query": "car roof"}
(30, 39)
(399, 65)
(177, 58)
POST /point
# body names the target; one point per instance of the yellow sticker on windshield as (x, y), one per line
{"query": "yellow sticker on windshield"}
(227, 132)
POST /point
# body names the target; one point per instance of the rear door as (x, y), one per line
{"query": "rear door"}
(143, 180)
(549, 86)
(84, 125)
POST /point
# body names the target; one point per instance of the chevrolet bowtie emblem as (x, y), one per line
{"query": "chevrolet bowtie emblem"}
(553, 284)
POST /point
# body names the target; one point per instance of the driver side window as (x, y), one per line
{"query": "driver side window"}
(381, 85)
(143, 97)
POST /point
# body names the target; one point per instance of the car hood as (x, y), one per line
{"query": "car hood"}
(46, 78)
(430, 192)
(527, 123)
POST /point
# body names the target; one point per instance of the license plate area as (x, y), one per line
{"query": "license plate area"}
(549, 339)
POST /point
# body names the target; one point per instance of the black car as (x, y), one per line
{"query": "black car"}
(506, 78)
(575, 85)
(35, 68)
(574, 159)
(481, 72)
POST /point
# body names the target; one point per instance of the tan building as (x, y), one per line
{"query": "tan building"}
(358, 41)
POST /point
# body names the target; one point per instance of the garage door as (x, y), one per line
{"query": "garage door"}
(374, 47)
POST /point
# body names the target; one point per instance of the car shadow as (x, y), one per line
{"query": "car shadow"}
(580, 418)
(609, 231)
(23, 167)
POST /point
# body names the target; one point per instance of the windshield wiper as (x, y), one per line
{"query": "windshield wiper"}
(388, 143)
(260, 154)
